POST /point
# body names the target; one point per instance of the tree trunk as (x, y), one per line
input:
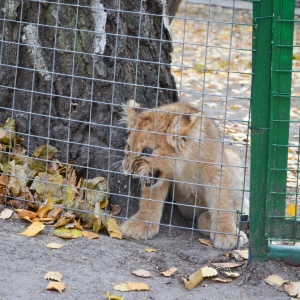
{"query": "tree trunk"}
(65, 70)
(172, 7)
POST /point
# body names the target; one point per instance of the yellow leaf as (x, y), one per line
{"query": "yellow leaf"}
(45, 208)
(209, 272)
(236, 106)
(33, 229)
(25, 214)
(232, 274)
(113, 297)
(54, 245)
(90, 235)
(67, 233)
(291, 209)
(113, 229)
(56, 276)
(138, 286)
(141, 273)
(56, 286)
(122, 287)
(193, 280)
(169, 272)
(275, 280)
(150, 250)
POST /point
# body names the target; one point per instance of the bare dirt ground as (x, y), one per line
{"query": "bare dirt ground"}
(91, 268)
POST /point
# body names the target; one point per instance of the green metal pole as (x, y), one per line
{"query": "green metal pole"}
(260, 115)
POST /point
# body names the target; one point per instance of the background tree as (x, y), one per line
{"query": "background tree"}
(65, 69)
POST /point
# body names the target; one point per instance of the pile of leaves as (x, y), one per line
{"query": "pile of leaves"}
(42, 189)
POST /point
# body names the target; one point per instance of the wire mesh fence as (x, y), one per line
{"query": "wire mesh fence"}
(67, 70)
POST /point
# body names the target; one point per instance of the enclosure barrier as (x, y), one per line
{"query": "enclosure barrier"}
(273, 233)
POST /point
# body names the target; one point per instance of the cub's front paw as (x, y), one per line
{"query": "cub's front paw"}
(224, 241)
(139, 230)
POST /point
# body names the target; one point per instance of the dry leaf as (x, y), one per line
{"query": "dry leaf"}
(169, 272)
(26, 214)
(113, 229)
(33, 229)
(275, 280)
(293, 289)
(67, 233)
(113, 297)
(236, 106)
(225, 280)
(242, 253)
(150, 250)
(56, 276)
(141, 273)
(226, 265)
(232, 274)
(53, 245)
(122, 287)
(193, 280)
(6, 213)
(206, 242)
(209, 272)
(138, 286)
(56, 286)
(291, 209)
(90, 235)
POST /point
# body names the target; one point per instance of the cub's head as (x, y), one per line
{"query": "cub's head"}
(155, 138)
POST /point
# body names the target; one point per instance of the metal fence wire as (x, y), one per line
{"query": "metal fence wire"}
(67, 70)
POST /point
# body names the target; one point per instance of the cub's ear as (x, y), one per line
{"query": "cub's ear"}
(130, 113)
(183, 125)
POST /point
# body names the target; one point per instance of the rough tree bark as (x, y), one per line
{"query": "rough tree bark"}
(64, 69)
(172, 7)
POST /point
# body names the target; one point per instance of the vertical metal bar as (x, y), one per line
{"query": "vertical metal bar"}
(282, 56)
(260, 108)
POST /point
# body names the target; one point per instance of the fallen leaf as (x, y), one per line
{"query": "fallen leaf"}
(113, 297)
(275, 280)
(53, 245)
(242, 253)
(293, 289)
(33, 229)
(56, 276)
(90, 235)
(6, 213)
(56, 286)
(169, 272)
(291, 209)
(226, 265)
(209, 272)
(141, 273)
(113, 229)
(193, 280)
(25, 214)
(67, 233)
(138, 286)
(45, 208)
(122, 287)
(236, 106)
(225, 280)
(206, 242)
(232, 274)
(150, 250)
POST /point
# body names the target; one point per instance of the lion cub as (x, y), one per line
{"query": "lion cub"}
(176, 148)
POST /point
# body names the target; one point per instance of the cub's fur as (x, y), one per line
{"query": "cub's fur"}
(175, 147)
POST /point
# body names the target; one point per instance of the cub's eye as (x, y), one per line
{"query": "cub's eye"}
(147, 151)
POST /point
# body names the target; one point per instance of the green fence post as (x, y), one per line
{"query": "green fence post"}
(260, 115)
